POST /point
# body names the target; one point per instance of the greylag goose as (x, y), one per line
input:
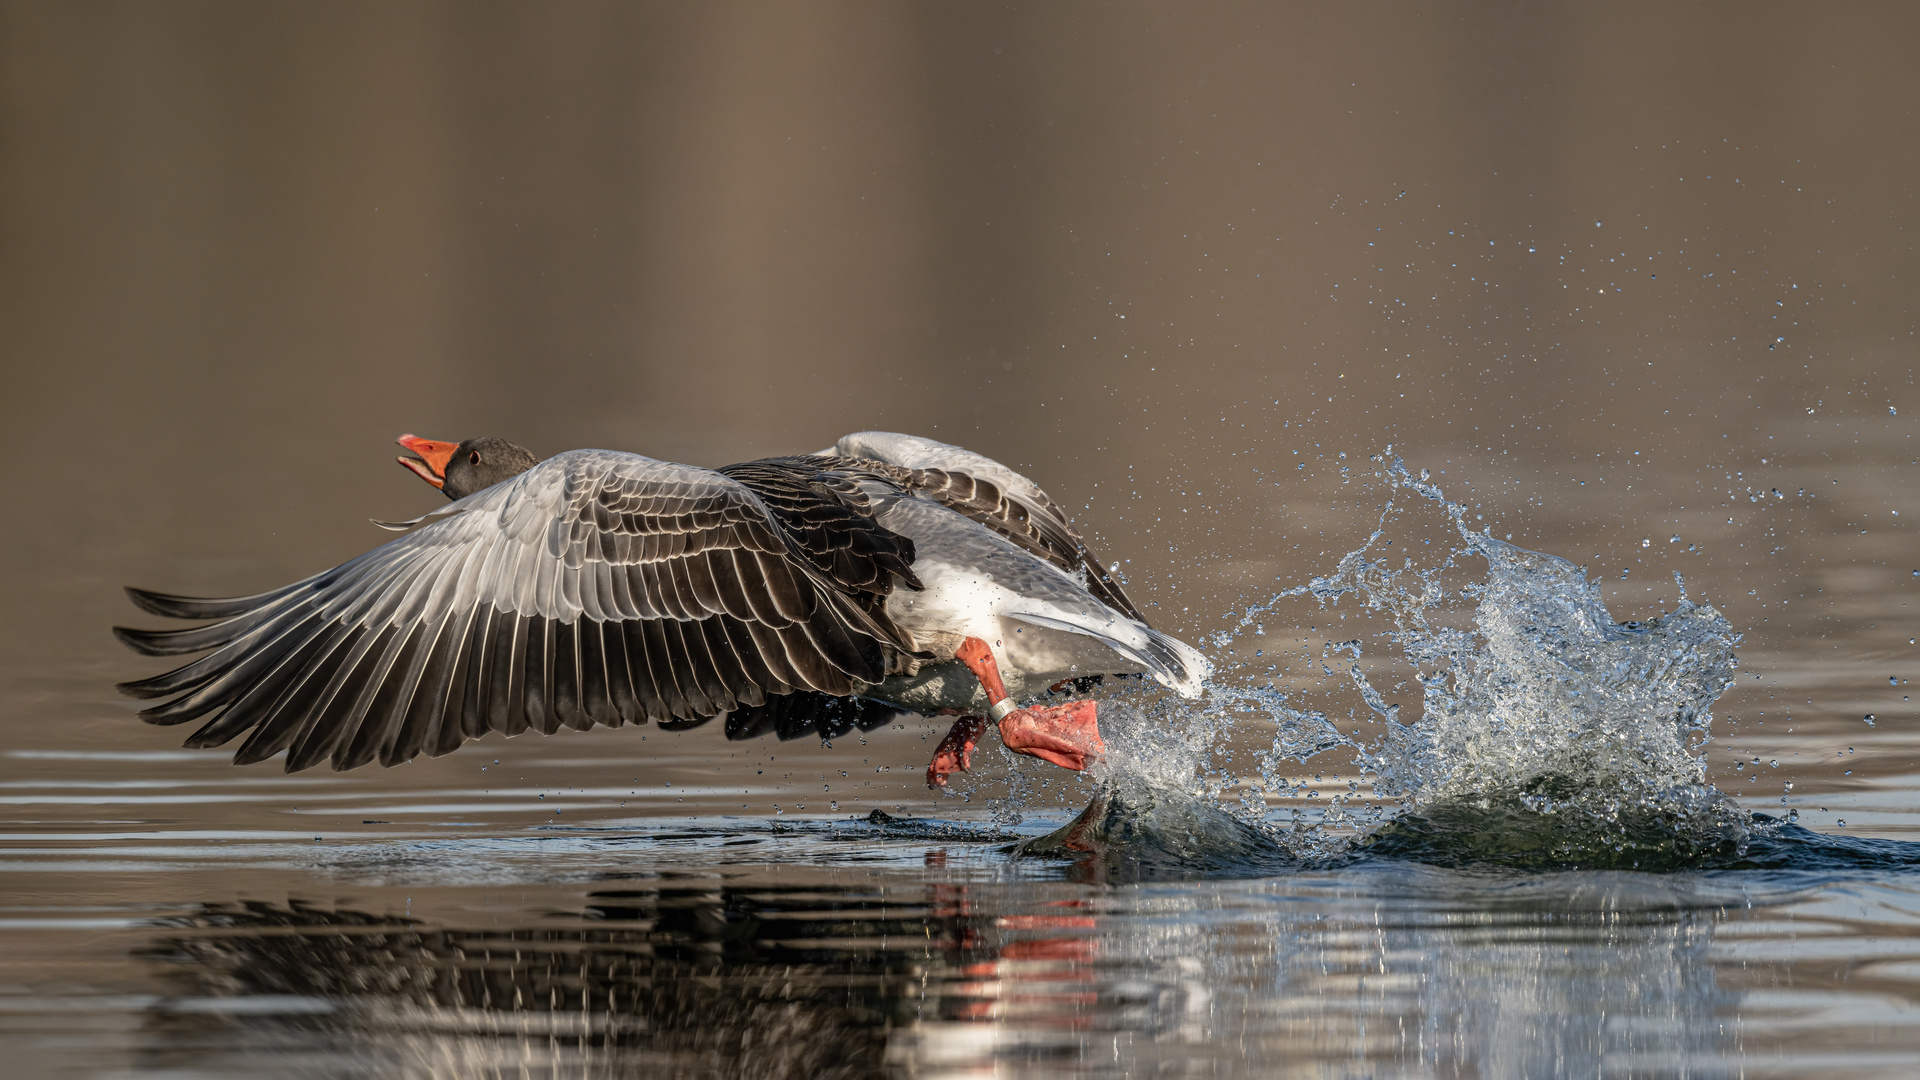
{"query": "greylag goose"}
(886, 574)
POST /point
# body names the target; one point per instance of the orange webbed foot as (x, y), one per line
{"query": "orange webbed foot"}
(1067, 735)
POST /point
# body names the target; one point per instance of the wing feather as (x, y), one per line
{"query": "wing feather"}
(188, 607)
(680, 657)
(760, 679)
(673, 703)
(214, 680)
(646, 691)
(445, 731)
(294, 707)
(625, 705)
(536, 670)
(255, 699)
(477, 681)
(596, 701)
(566, 679)
(507, 697)
(377, 722)
(332, 716)
(728, 672)
(421, 712)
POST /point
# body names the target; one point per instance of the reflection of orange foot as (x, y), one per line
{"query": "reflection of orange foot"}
(955, 753)
(1067, 735)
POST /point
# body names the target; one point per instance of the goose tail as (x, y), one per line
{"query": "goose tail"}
(1178, 666)
(1171, 662)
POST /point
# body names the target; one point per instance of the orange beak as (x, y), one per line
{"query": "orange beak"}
(431, 465)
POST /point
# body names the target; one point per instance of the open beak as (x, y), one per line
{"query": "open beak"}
(431, 465)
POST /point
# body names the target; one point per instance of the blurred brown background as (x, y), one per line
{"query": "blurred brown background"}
(1612, 267)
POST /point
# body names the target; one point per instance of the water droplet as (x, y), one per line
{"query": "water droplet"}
(1648, 542)
(1674, 539)
(1869, 719)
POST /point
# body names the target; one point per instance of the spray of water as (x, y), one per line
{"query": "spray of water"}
(1550, 734)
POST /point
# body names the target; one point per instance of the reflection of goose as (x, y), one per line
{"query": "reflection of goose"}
(1395, 971)
(669, 982)
(822, 591)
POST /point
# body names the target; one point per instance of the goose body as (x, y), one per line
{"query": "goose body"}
(807, 593)
(1043, 625)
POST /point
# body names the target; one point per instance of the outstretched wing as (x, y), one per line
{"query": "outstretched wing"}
(596, 588)
(995, 496)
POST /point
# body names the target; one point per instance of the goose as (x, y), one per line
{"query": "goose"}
(887, 574)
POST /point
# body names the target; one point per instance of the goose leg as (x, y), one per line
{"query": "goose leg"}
(955, 753)
(1066, 735)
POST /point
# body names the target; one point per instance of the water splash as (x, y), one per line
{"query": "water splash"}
(1549, 734)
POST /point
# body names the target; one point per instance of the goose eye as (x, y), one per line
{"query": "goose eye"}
(473, 458)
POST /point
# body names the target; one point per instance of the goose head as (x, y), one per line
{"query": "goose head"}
(460, 469)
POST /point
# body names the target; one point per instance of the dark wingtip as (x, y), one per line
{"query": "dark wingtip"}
(202, 740)
(154, 603)
(161, 685)
(178, 642)
(137, 640)
(196, 607)
(172, 642)
(168, 713)
(249, 754)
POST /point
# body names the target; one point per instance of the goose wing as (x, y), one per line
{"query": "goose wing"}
(596, 588)
(995, 496)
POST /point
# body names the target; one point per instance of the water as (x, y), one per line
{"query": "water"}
(1536, 879)
(729, 948)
